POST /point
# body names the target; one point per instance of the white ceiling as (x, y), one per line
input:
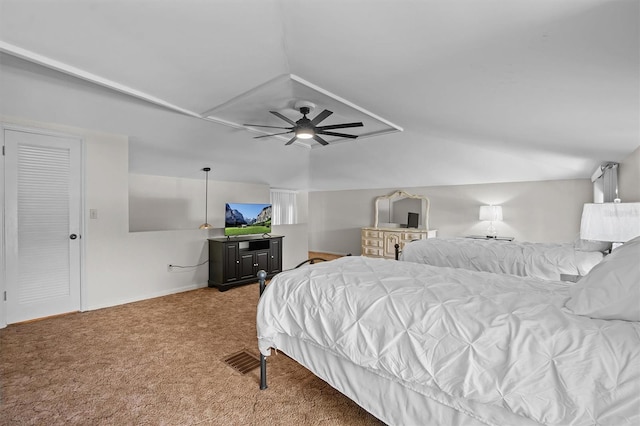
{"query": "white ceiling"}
(485, 90)
(286, 94)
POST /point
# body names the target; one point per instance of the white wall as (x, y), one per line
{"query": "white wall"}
(122, 266)
(629, 178)
(547, 211)
(161, 203)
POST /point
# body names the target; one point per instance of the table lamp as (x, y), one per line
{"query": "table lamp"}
(611, 222)
(492, 214)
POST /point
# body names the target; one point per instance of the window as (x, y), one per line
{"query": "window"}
(284, 207)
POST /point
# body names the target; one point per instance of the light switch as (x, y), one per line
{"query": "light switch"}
(93, 213)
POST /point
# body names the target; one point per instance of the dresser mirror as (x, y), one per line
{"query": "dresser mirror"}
(399, 209)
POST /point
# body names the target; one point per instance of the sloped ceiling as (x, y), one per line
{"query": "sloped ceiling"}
(485, 90)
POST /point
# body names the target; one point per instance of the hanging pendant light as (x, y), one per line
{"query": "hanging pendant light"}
(206, 224)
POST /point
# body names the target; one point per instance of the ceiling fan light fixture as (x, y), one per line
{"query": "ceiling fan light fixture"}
(306, 128)
(305, 133)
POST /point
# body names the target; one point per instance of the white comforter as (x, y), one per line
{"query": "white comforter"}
(485, 344)
(539, 260)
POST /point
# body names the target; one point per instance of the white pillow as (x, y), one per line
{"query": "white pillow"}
(588, 245)
(611, 290)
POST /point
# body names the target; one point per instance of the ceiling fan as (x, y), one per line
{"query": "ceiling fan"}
(306, 128)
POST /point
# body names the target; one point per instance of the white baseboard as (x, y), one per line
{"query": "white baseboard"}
(144, 297)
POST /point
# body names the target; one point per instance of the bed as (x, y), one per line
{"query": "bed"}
(420, 344)
(548, 261)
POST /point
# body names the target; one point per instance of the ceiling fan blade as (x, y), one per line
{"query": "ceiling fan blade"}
(275, 134)
(339, 126)
(271, 127)
(292, 140)
(277, 114)
(324, 114)
(319, 139)
(340, 135)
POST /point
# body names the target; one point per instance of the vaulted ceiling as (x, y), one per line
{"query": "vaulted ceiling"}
(483, 90)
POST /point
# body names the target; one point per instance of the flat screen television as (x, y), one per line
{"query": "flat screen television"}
(247, 219)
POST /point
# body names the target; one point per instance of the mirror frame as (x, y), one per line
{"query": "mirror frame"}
(401, 195)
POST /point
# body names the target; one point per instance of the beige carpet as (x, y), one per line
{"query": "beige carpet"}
(158, 362)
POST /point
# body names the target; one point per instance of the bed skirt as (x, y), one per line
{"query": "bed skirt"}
(384, 398)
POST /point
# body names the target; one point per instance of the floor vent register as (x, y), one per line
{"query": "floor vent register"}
(242, 361)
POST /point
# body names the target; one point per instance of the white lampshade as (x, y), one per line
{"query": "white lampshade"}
(612, 222)
(491, 213)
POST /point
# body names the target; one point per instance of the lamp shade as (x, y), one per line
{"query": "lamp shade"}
(491, 213)
(612, 222)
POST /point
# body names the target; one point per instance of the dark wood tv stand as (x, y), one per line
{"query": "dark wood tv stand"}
(235, 261)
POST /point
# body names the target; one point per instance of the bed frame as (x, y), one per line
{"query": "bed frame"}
(262, 279)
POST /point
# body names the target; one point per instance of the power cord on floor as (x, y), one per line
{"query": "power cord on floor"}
(187, 266)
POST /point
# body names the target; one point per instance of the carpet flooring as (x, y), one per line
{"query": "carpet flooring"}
(158, 362)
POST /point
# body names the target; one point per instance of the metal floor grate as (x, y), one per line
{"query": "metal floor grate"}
(242, 361)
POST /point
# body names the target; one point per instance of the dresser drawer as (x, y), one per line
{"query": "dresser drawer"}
(367, 233)
(372, 251)
(368, 242)
(380, 242)
(410, 236)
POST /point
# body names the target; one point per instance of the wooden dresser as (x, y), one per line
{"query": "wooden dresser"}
(380, 242)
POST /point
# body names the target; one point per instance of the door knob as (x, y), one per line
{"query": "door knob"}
(73, 236)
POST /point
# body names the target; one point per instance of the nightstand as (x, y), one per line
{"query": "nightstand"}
(486, 237)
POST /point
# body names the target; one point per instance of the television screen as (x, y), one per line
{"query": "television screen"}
(246, 219)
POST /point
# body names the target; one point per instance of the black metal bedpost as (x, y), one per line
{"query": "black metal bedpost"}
(397, 247)
(262, 275)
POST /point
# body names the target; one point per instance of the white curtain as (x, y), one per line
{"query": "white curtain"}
(284, 207)
(605, 183)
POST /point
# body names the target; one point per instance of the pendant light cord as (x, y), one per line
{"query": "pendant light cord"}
(206, 197)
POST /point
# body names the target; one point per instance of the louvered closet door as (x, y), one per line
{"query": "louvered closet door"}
(43, 205)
